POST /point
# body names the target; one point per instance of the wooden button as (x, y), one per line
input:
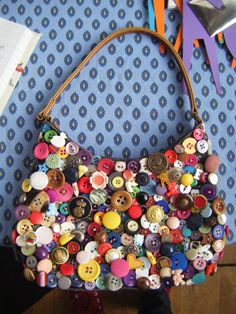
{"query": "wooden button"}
(121, 200)
(56, 179)
(218, 206)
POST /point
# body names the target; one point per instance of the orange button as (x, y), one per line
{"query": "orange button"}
(171, 156)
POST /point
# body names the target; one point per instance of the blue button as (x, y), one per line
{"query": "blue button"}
(50, 246)
(114, 239)
(76, 282)
(164, 206)
(105, 269)
(218, 232)
(189, 169)
(179, 261)
(150, 188)
(52, 280)
(186, 232)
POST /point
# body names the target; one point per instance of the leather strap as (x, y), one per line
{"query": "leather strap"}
(44, 114)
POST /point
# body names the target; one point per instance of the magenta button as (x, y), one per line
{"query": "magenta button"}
(119, 268)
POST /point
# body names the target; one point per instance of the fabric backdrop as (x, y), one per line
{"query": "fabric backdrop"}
(126, 103)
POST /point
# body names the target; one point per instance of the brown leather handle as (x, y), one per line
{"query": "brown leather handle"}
(44, 114)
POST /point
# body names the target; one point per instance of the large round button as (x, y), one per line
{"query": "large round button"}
(121, 200)
(209, 191)
(53, 161)
(39, 180)
(120, 268)
(89, 271)
(55, 179)
(157, 163)
(71, 174)
(142, 178)
(111, 220)
(80, 207)
(218, 206)
(41, 151)
(184, 201)
(155, 213)
(65, 192)
(152, 242)
(60, 255)
(189, 145)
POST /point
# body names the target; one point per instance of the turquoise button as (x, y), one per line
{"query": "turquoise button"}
(199, 278)
(100, 283)
(186, 232)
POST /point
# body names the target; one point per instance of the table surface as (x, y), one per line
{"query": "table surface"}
(127, 102)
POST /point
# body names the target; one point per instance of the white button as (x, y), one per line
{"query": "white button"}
(202, 146)
(39, 180)
(154, 227)
(64, 283)
(222, 219)
(121, 249)
(143, 164)
(120, 166)
(155, 282)
(185, 189)
(44, 234)
(59, 140)
(179, 164)
(83, 257)
(197, 173)
(138, 239)
(66, 227)
(146, 262)
(213, 178)
(91, 247)
(141, 273)
(195, 192)
(56, 227)
(144, 222)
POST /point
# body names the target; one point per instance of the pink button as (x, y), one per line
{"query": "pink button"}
(191, 160)
(198, 134)
(53, 196)
(173, 223)
(199, 263)
(65, 192)
(119, 268)
(44, 265)
(41, 151)
(183, 214)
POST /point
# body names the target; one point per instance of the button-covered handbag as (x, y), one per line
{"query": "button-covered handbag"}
(87, 221)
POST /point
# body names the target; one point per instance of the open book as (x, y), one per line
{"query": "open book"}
(17, 43)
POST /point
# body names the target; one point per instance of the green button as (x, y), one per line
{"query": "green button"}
(141, 251)
(199, 278)
(64, 209)
(49, 135)
(100, 283)
(53, 161)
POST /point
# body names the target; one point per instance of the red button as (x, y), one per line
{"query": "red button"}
(171, 156)
(73, 247)
(41, 151)
(93, 228)
(106, 165)
(84, 185)
(52, 149)
(183, 214)
(177, 236)
(36, 218)
(199, 201)
(103, 248)
(191, 160)
(66, 269)
(135, 212)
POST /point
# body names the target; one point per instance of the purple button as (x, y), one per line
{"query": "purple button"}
(209, 191)
(41, 253)
(85, 156)
(50, 246)
(53, 196)
(218, 232)
(196, 235)
(130, 279)
(189, 272)
(60, 218)
(134, 166)
(22, 212)
(160, 190)
(152, 243)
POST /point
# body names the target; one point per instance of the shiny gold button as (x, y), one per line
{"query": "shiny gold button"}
(155, 214)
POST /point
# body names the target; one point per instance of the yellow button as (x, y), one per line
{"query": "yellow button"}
(89, 271)
(189, 145)
(65, 238)
(151, 258)
(186, 179)
(111, 220)
(117, 182)
(62, 153)
(98, 217)
(24, 226)
(26, 186)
